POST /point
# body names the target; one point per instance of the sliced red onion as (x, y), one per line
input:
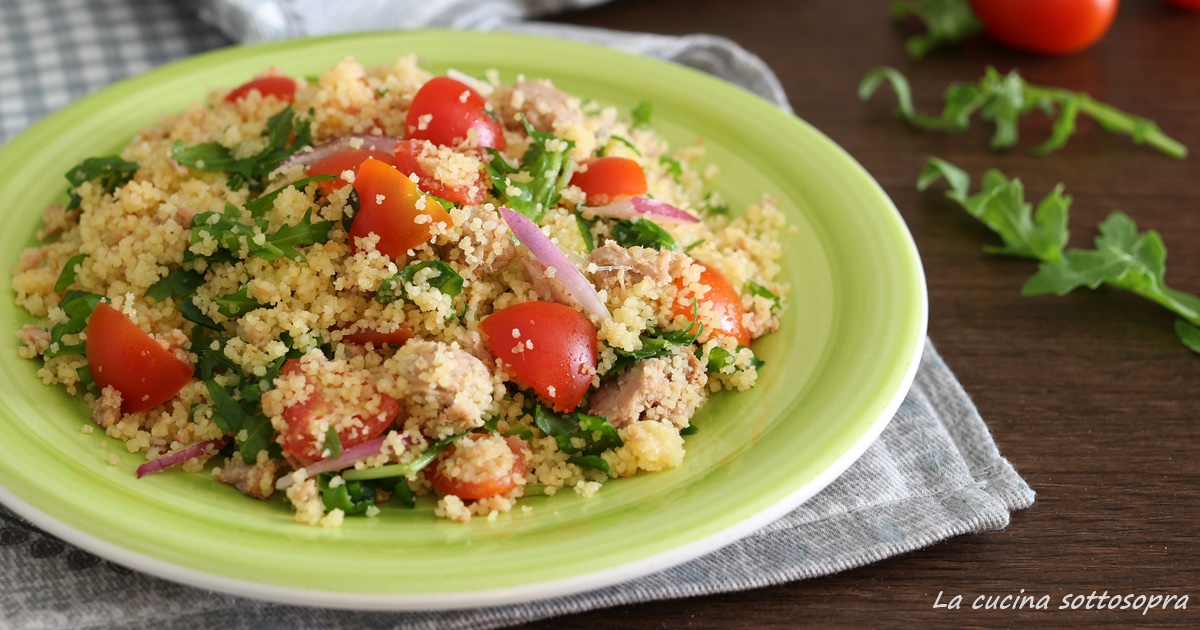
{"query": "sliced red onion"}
(178, 457)
(638, 206)
(348, 458)
(344, 143)
(548, 254)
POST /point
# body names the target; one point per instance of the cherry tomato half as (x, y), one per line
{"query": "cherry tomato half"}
(445, 110)
(607, 178)
(121, 355)
(342, 161)
(471, 490)
(388, 206)
(1052, 27)
(281, 88)
(299, 438)
(406, 162)
(550, 346)
(722, 299)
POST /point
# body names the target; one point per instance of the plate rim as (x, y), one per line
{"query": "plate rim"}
(529, 592)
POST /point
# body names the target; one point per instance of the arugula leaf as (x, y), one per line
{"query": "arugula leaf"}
(178, 282)
(1002, 99)
(237, 303)
(193, 314)
(67, 276)
(657, 343)
(242, 240)
(585, 229)
(596, 433)
(404, 494)
(643, 232)
(641, 113)
(233, 419)
(331, 448)
(261, 205)
(1000, 205)
(1188, 334)
(714, 205)
(719, 358)
(591, 461)
(353, 498)
(623, 140)
(78, 305)
(946, 22)
(445, 280)
(1123, 257)
(673, 167)
(689, 430)
(754, 288)
(545, 169)
(110, 172)
(689, 248)
(285, 133)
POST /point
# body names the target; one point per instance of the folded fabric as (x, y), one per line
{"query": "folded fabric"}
(933, 473)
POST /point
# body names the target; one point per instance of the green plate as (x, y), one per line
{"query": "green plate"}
(835, 372)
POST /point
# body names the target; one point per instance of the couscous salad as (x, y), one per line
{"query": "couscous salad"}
(355, 289)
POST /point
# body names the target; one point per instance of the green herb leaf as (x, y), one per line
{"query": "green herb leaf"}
(261, 205)
(714, 205)
(78, 305)
(641, 113)
(238, 303)
(673, 167)
(351, 497)
(289, 237)
(946, 22)
(67, 276)
(110, 172)
(242, 240)
(657, 343)
(1002, 99)
(644, 233)
(549, 168)
(178, 282)
(404, 494)
(689, 430)
(754, 288)
(579, 435)
(623, 140)
(285, 134)
(585, 230)
(331, 448)
(1001, 205)
(1188, 334)
(590, 461)
(403, 470)
(719, 358)
(193, 314)
(233, 419)
(689, 248)
(445, 280)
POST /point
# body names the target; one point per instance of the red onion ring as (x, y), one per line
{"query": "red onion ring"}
(548, 254)
(638, 206)
(345, 143)
(178, 457)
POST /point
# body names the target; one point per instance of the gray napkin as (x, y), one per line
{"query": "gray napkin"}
(934, 473)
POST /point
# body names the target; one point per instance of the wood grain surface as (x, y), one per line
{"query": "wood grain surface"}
(1091, 396)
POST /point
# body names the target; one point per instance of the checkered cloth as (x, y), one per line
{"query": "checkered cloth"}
(934, 472)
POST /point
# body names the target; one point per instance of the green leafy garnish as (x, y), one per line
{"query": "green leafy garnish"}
(714, 205)
(242, 240)
(110, 172)
(1002, 98)
(1123, 257)
(689, 248)
(659, 343)
(252, 431)
(193, 314)
(544, 171)
(623, 140)
(946, 22)
(641, 114)
(66, 277)
(178, 282)
(404, 495)
(285, 133)
(445, 280)
(237, 303)
(353, 498)
(689, 430)
(585, 229)
(78, 305)
(754, 288)
(261, 205)
(719, 358)
(403, 470)
(644, 233)
(579, 435)
(673, 167)
(331, 448)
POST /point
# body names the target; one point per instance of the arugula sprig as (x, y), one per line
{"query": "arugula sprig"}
(353, 498)
(659, 343)
(110, 172)
(1122, 257)
(580, 436)
(1003, 98)
(534, 185)
(285, 133)
(240, 239)
(445, 279)
(78, 305)
(644, 233)
(946, 22)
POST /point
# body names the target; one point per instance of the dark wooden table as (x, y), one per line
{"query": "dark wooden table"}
(1091, 396)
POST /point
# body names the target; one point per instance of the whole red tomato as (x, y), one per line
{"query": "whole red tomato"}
(1053, 27)
(1191, 5)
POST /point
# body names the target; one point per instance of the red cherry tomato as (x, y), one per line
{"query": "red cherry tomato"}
(397, 337)
(606, 178)
(471, 490)
(388, 206)
(299, 439)
(549, 346)
(452, 109)
(281, 88)
(1052, 27)
(722, 299)
(342, 161)
(121, 355)
(406, 162)
(1191, 5)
